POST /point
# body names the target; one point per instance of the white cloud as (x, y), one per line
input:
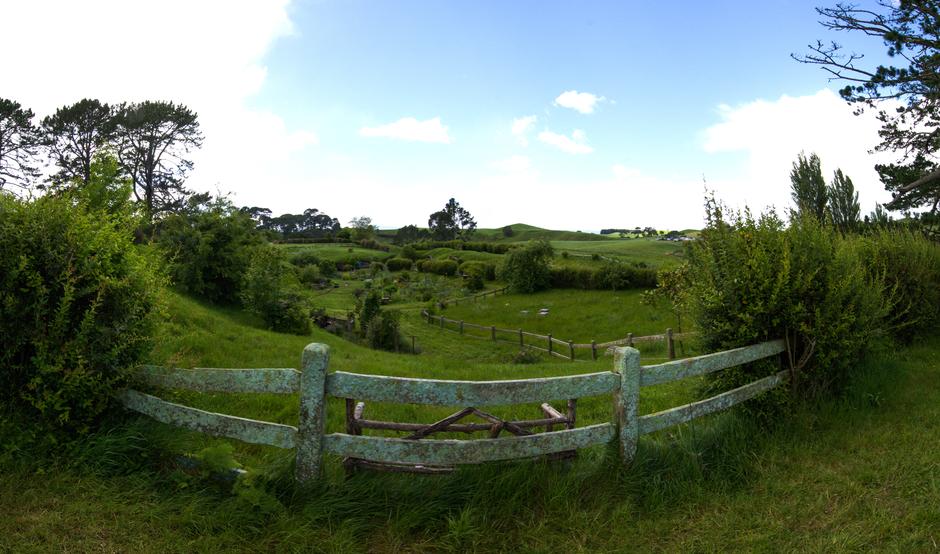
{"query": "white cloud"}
(572, 145)
(583, 102)
(410, 129)
(623, 172)
(772, 133)
(521, 127)
(208, 55)
(512, 164)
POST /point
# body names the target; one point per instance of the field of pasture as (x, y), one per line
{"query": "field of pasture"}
(857, 472)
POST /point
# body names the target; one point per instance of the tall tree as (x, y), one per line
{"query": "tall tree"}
(73, 136)
(908, 29)
(453, 222)
(19, 145)
(843, 203)
(808, 187)
(153, 141)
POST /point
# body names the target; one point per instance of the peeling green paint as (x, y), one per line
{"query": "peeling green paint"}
(205, 379)
(314, 361)
(452, 452)
(700, 365)
(468, 393)
(681, 414)
(217, 425)
(626, 403)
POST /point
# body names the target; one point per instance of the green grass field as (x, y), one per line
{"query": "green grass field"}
(655, 253)
(860, 472)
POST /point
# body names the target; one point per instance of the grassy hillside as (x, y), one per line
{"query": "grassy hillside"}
(522, 233)
(857, 473)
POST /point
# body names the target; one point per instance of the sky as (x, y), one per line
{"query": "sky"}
(566, 115)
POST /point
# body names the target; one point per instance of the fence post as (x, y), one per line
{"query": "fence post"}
(493, 332)
(521, 339)
(571, 350)
(413, 350)
(628, 365)
(549, 344)
(314, 362)
(442, 322)
(461, 326)
(671, 344)
(630, 340)
(593, 350)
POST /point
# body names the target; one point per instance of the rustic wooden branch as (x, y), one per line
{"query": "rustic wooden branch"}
(437, 426)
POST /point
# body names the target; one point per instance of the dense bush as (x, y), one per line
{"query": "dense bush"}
(527, 269)
(439, 267)
(399, 264)
(304, 258)
(490, 247)
(752, 280)
(610, 276)
(382, 332)
(77, 306)
(485, 269)
(271, 290)
(209, 251)
(373, 244)
(910, 265)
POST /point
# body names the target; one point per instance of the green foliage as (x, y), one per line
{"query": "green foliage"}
(304, 258)
(75, 135)
(399, 264)
(808, 188)
(438, 267)
(20, 141)
(525, 356)
(507, 231)
(271, 290)
(77, 307)
(527, 269)
(476, 246)
(751, 280)
(610, 276)
(209, 251)
(843, 203)
(382, 330)
(452, 222)
(910, 266)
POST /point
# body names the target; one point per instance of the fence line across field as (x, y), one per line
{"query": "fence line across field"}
(554, 346)
(417, 453)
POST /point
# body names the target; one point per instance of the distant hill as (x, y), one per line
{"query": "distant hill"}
(522, 233)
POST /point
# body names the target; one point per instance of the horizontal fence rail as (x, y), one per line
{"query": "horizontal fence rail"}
(217, 425)
(453, 451)
(203, 379)
(469, 393)
(417, 452)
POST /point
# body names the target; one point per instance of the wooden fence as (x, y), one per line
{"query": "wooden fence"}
(314, 385)
(475, 297)
(551, 345)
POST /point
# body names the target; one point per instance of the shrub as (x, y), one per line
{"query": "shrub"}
(309, 275)
(77, 307)
(751, 280)
(527, 269)
(525, 356)
(910, 265)
(382, 331)
(209, 251)
(409, 252)
(399, 264)
(327, 268)
(447, 268)
(272, 292)
(305, 258)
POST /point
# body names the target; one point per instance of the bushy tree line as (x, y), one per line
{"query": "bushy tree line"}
(151, 141)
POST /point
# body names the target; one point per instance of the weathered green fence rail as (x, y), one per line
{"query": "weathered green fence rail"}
(314, 385)
(551, 345)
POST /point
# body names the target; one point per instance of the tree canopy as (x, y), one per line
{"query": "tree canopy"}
(153, 140)
(19, 145)
(808, 187)
(73, 135)
(909, 31)
(452, 222)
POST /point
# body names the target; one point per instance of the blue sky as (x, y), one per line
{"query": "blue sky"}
(387, 109)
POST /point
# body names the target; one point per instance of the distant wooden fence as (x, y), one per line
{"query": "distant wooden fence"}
(314, 385)
(475, 297)
(553, 346)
